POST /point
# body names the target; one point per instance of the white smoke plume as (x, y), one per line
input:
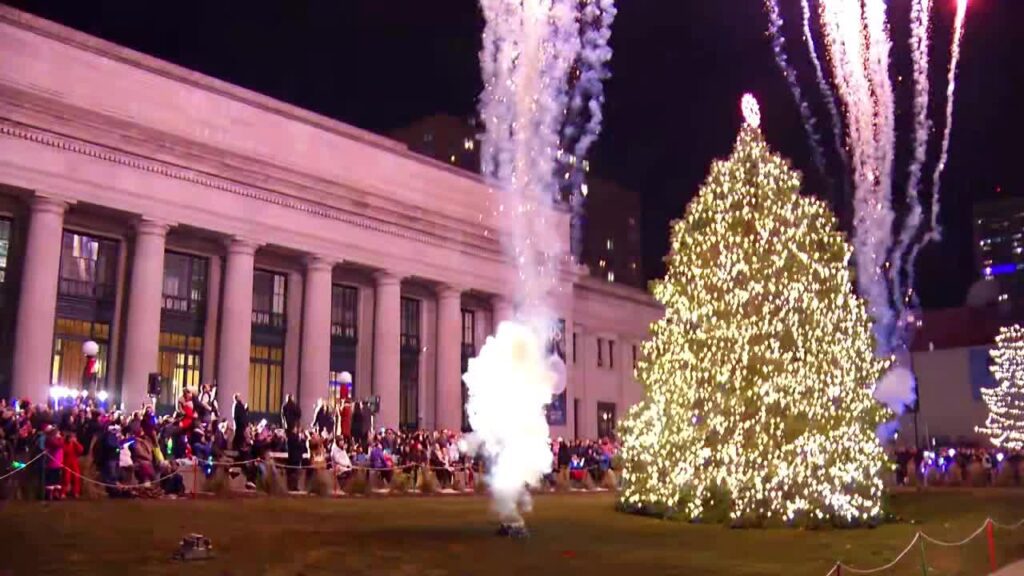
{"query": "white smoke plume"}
(850, 33)
(508, 385)
(897, 389)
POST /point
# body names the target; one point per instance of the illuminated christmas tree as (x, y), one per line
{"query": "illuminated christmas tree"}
(1005, 422)
(759, 377)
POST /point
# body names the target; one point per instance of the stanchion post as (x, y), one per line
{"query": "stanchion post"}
(924, 560)
(989, 532)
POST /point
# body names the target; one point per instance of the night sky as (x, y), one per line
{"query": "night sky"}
(679, 69)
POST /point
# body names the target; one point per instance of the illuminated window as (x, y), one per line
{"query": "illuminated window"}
(584, 189)
(68, 361)
(610, 244)
(180, 365)
(266, 378)
(606, 419)
(611, 276)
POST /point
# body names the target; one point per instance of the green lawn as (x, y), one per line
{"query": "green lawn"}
(572, 534)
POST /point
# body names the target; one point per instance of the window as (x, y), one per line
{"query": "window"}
(600, 352)
(344, 311)
(606, 419)
(410, 328)
(5, 247)
(184, 283)
(611, 353)
(409, 371)
(468, 330)
(634, 356)
(266, 375)
(573, 347)
(68, 361)
(88, 267)
(268, 299)
(180, 365)
(468, 351)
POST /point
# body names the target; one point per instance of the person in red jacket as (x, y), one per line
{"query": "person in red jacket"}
(72, 469)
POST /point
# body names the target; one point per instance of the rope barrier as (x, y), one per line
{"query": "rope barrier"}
(960, 543)
(841, 566)
(920, 537)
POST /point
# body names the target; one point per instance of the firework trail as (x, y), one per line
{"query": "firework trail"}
(826, 91)
(847, 37)
(779, 48)
(584, 117)
(594, 56)
(920, 22)
(529, 47)
(935, 230)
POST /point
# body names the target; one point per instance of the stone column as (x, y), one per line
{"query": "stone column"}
(386, 347)
(449, 359)
(236, 324)
(316, 335)
(503, 311)
(37, 307)
(142, 338)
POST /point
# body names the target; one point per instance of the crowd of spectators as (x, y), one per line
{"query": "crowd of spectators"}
(127, 450)
(963, 464)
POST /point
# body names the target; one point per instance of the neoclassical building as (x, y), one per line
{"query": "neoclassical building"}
(211, 234)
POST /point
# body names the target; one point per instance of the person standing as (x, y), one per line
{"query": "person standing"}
(54, 462)
(72, 469)
(240, 415)
(291, 414)
(358, 431)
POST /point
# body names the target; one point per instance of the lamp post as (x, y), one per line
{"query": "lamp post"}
(90, 374)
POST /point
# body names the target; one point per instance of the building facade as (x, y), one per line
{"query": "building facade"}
(951, 360)
(210, 234)
(609, 231)
(999, 244)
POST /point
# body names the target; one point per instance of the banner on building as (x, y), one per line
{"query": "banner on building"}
(556, 410)
(981, 371)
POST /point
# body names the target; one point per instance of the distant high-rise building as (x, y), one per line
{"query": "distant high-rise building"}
(999, 244)
(609, 233)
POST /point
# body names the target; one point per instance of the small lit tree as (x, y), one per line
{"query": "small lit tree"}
(1005, 423)
(759, 378)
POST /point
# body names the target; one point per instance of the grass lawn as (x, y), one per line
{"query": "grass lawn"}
(572, 534)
